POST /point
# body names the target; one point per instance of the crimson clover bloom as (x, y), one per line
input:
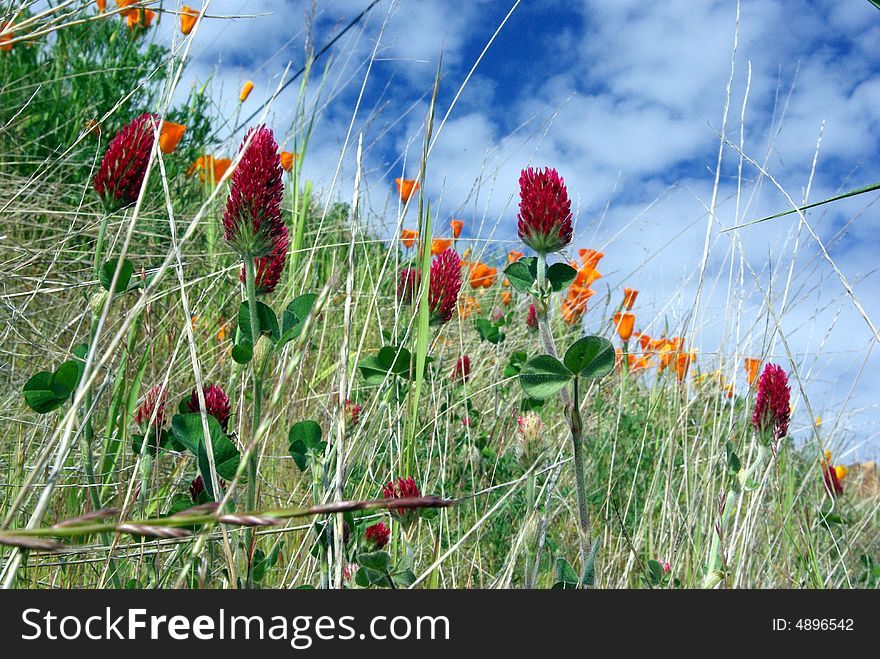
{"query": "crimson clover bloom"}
(196, 488)
(445, 284)
(402, 488)
(532, 319)
(352, 413)
(377, 536)
(772, 407)
(462, 370)
(252, 222)
(216, 404)
(408, 285)
(124, 166)
(153, 404)
(269, 268)
(544, 210)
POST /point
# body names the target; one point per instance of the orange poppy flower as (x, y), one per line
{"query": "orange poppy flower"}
(641, 363)
(457, 226)
(618, 360)
(644, 341)
(170, 136)
(408, 237)
(571, 314)
(4, 45)
(287, 159)
(682, 364)
(188, 18)
(585, 277)
(246, 91)
(590, 257)
(506, 298)
(513, 256)
(482, 276)
(221, 333)
(752, 367)
(468, 306)
(624, 323)
(218, 167)
(140, 17)
(102, 5)
(629, 297)
(439, 245)
(406, 187)
(121, 4)
(728, 390)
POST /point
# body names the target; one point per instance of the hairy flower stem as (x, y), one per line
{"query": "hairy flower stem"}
(530, 518)
(88, 436)
(571, 405)
(715, 572)
(250, 278)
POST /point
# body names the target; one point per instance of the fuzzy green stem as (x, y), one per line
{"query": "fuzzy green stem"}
(572, 405)
(250, 283)
(714, 572)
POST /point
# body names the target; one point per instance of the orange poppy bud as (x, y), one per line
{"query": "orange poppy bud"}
(514, 256)
(624, 323)
(406, 187)
(170, 136)
(188, 18)
(102, 5)
(139, 17)
(221, 333)
(629, 297)
(752, 367)
(439, 245)
(246, 91)
(287, 159)
(457, 226)
(506, 298)
(408, 237)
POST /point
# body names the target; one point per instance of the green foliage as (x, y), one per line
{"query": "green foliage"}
(543, 376)
(305, 444)
(108, 270)
(46, 391)
(590, 357)
(188, 432)
(523, 274)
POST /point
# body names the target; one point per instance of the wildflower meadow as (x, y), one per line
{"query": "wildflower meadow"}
(226, 368)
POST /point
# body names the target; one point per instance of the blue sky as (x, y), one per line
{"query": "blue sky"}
(626, 99)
